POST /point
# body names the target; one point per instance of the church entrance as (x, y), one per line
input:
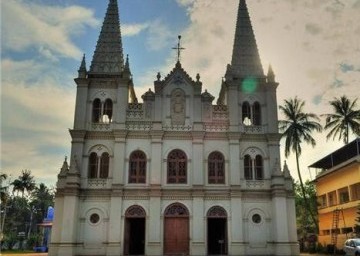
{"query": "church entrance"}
(134, 243)
(217, 231)
(176, 230)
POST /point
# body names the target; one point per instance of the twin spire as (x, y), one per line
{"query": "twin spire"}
(109, 59)
(108, 56)
(245, 57)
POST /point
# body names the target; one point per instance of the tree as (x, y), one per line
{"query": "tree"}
(295, 129)
(304, 222)
(345, 118)
(4, 200)
(25, 182)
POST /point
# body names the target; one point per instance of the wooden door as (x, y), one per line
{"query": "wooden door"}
(176, 237)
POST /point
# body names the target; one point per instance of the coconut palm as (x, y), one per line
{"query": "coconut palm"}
(345, 118)
(296, 129)
(25, 182)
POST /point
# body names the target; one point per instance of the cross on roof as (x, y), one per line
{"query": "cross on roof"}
(179, 49)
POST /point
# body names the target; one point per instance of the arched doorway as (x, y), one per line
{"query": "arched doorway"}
(176, 230)
(134, 242)
(217, 231)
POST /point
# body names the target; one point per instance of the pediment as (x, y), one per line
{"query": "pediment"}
(179, 77)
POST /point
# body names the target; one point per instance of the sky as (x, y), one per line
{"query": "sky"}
(313, 47)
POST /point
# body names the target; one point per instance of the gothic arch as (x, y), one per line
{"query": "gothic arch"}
(253, 151)
(135, 211)
(103, 95)
(99, 149)
(216, 212)
(176, 210)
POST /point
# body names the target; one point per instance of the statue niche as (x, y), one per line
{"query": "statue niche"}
(178, 107)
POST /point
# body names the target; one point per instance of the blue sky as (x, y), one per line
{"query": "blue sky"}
(313, 47)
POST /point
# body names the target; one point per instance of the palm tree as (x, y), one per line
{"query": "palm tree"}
(25, 182)
(346, 118)
(297, 128)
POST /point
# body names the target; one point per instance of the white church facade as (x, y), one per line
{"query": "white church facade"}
(177, 174)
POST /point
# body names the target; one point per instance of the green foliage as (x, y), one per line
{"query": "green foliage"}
(297, 128)
(25, 182)
(304, 222)
(33, 240)
(10, 240)
(23, 213)
(346, 118)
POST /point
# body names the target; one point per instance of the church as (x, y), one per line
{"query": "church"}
(177, 172)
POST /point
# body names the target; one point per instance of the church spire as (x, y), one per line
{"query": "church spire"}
(245, 58)
(108, 56)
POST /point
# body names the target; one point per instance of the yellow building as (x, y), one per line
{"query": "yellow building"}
(338, 193)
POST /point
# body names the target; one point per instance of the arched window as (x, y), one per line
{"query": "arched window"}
(216, 168)
(99, 165)
(93, 165)
(259, 168)
(177, 167)
(246, 113)
(104, 165)
(102, 111)
(253, 167)
(96, 113)
(256, 110)
(248, 167)
(137, 167)
(108, 110)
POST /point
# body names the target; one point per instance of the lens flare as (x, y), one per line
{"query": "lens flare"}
(249, 85)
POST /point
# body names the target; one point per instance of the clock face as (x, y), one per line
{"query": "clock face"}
(256, 218)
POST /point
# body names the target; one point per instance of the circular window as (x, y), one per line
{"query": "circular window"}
(94, 218)
(256, 218)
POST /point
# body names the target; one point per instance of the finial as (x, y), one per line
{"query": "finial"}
(82, 69)
(178, 48)
(286, 170)
(270, 75)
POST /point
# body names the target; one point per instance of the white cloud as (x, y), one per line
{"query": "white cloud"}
(29, 25)
(36, 109)
(133, 29)
(159, 35)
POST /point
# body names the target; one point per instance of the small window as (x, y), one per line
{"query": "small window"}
(177, 167)
(94, 218)
(259, 168)
(108, 111)
(256, 218)
(93, 165)
(246, 113)
(216, 168)
(104, 165)
(248, 167)
(137, 167)
(256, 114)
(96, 114)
